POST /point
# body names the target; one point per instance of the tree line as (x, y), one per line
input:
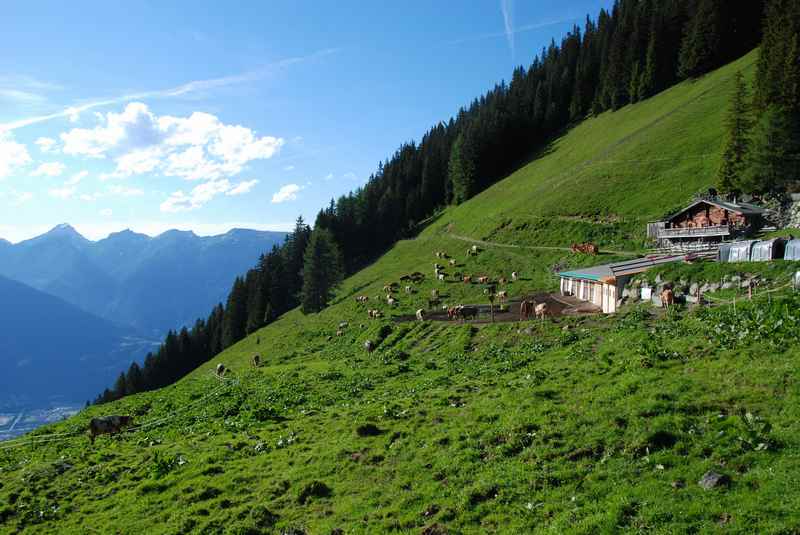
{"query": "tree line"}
(302, 271)
(761, 154)
(633, 51)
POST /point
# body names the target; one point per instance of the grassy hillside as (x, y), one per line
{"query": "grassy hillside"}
(578, 425)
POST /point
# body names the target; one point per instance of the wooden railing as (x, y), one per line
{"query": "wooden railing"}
(694, 232)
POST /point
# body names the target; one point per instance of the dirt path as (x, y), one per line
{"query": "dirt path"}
(531, 247)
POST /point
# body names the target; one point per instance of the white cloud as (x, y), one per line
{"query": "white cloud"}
(62, 193)
(13, 155)
(242, 187)
(90, 197)
(197, 147)
(49, 169)
(286, 193)
(329, 176)
(350, 176)
(76, 178)
(179, 201)
(125, 191)
(106, 212)
(20, 197)
(288, 168)
(46, 144)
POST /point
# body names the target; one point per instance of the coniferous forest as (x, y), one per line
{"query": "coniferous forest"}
(636, 50)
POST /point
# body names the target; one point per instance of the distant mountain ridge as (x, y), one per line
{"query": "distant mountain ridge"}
(150, 283)
(53, 351)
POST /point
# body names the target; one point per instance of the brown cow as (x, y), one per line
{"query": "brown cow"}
(108, 425)
(586, 248)
(483, 280)
(667, 297)
(255, 361)
(525, 309)
(541, 311)
(467, 279)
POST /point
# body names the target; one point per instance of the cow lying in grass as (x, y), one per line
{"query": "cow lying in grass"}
(108, 425)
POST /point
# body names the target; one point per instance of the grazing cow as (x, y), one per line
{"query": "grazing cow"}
(514, 275)
(437, 265)
(221, 369)
(502, 280)
(441, 277)
(502, 296)
(453, 262)
(255, 361)
(405, 278)
(374, 313)
(420, 314)
(467, 279)
(467, 312)
(387, 288)
(451, 312)
(474, 249)
(525, 309)
(435, 293)
(369, 346)
(392, 302)
(541, 311)
(667, 297)
(586, 248)
(108, 425)
(339, 332)
(343, 325)
(483, 280)
(408, 289)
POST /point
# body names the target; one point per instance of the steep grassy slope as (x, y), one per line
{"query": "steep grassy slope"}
(586, 425)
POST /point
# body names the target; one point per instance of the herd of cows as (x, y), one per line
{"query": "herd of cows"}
(528, 307)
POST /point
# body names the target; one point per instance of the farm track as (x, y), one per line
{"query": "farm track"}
(530, 247)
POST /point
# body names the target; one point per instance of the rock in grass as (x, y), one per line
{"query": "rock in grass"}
(434, 529)
(315, 489)
(713, 479)
(368, 430)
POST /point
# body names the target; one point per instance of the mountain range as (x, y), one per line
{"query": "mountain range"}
(151, 284)
(54, 352)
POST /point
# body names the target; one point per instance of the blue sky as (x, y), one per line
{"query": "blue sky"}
(193, 115)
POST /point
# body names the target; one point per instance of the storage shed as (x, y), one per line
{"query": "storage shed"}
(724, 252)
(602, 285)
(740, 251)
(766, 250)
(792, 250)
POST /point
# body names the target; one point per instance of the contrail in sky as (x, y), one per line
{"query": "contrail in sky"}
(507, 7)
(183, 89)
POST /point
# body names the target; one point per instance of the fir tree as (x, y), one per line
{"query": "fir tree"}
(700, 48)
(461, 170)
(737, 126)
(235, 319)
(774, 153)
(322, 270)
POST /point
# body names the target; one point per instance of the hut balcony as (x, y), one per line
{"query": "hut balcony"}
(694, 232)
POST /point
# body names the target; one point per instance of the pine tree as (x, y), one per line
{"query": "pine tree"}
(235, 319)
(134, 380)
(737, 126)
(648, 78)
(791, 77)
(774, 153)
(322, 269)
(700, 48)
(461, 169)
